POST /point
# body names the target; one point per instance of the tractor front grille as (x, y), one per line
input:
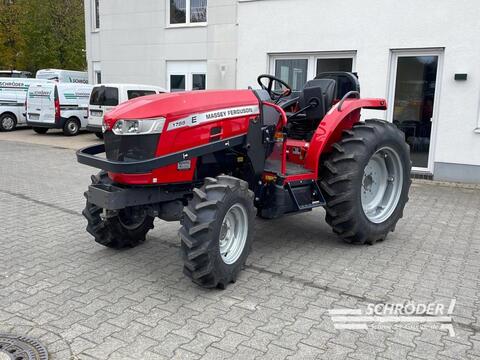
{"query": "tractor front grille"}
(130, 147)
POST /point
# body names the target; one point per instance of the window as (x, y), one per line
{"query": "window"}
(187, 12)
(97, 72)
(199, 81)
(327, 65)
(98, 77)
(96, 15)
(297, 69)
(293, 72)
(132, 94)
(177, 83)
(104, 96)
(187, 75)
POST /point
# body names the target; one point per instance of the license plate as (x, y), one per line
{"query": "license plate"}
(34, 116)
(96, 112)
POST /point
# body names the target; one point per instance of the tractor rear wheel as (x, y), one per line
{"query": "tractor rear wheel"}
(217, 231)
(365, 181)
(125, 230)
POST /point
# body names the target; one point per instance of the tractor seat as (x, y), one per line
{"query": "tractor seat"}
(320, 92)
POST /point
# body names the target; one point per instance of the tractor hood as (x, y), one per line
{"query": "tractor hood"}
(174, 106)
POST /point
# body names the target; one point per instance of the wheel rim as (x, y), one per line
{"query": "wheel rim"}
(233, 234)
(382, 185)
(8, 123)
(72, 127)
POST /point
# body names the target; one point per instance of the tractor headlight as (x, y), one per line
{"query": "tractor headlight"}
(138, 127)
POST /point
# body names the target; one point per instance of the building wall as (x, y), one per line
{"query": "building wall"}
(372, 28)
(134, 42)
(92, 39)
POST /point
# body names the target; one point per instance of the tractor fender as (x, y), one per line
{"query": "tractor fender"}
(334, 123)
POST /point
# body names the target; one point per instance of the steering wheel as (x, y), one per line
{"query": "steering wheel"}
(286, 90)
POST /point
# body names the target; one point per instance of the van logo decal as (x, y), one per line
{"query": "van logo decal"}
(40, 94)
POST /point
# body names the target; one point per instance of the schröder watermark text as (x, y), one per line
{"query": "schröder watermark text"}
(386, 313)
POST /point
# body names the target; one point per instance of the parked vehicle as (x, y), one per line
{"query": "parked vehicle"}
(106, 96)
(13, 94)
(15, 74)
(210, 158)
(63, 76)
(58, 105)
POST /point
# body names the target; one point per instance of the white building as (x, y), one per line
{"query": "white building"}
(423, 57)
(170, 43)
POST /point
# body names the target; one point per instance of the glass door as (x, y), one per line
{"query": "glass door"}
(413, 91)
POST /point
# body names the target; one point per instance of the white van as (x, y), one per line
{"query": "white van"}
(63, 76)
(15, 74)
(106, 96)
(58, 105)
(13, 93)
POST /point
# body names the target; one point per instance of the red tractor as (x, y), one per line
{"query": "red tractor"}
(216, 159)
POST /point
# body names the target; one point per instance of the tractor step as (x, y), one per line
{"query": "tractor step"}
(306, 194)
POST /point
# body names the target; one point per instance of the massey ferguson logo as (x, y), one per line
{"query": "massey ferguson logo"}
(214, 116)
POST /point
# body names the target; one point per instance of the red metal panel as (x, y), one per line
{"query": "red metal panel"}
(175, 106)
(330, 129)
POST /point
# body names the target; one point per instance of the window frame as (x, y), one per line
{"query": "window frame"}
(95, 29)
(187, 22)
(311, 58)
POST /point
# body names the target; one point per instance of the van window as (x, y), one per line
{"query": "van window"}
(132, 94)
(106, 96)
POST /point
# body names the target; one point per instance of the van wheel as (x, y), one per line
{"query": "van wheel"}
(99, 135)
(40, 130)
(8, 122)
(71, 127)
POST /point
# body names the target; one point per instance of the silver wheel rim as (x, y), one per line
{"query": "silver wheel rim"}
(233, 234)
(72, 126)
(8, 123)
(382, 185)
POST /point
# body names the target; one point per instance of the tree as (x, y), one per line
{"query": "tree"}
(10, 34)
(51, 34)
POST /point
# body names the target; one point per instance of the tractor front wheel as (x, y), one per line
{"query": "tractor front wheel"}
(217, 231)
(365, 181)
(125, 230)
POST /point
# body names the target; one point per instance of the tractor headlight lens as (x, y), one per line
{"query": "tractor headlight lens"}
(138, 127)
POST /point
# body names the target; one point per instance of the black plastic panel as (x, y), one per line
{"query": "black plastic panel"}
(130, 147)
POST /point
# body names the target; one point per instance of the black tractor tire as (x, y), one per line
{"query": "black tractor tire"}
(112, 232)
(40, 130)
(99, 135)
(8, 122)
(342, 181)
(71, 127)
(203, 223)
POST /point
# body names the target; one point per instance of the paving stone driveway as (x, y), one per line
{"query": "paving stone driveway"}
(87, 302)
